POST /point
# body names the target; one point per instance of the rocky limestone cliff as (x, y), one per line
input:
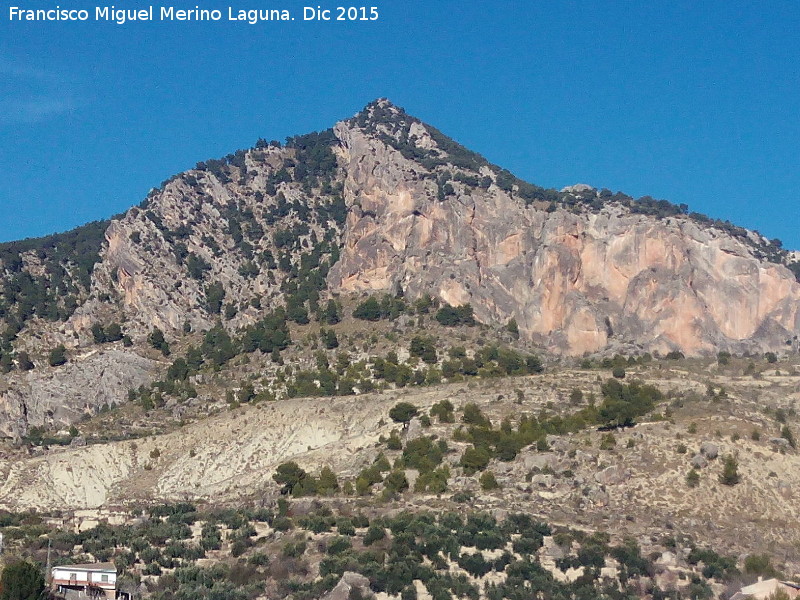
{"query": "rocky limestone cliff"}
(575, 283)
(227, 225)
(80, 388)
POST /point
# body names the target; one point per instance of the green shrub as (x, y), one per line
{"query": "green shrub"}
(403, 412)
(608, 441)
(345, 527)
(787, 434)
(715, 565)
(338, 545)
(282, 523)
(693, 478)
(513, 328)
(21, 580)
(730, 470)
(259, 559)
(433, 482)
(488, 481)
(760, 564)
(327, 484)
(157, 341)
(452, 316)
(374, 533)
(294, 549)
(423, 453)
(474, 564)
(293, 479)
(394, 443)
(369, 310)
(395, 483)
(443, 410)
(623, 403)
(474, 416)
(57, 356)
(474, 460)
(424, 348)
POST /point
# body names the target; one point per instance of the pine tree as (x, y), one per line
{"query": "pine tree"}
(730, 471)
(331, 314)
(787, 434)
(327, 484)
(24, 361)
(157, 341)
(693, 478)
(21, 580)
(330, 339)
(58, 356)
(513, 328)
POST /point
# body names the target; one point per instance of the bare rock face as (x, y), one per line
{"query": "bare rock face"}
(573, 282)
(61, 396)
(146, 277)
(140, 268)
(225, 456)
(709, 449)
(349, 586)
(612, 475)
(204, 228)
(542, 461)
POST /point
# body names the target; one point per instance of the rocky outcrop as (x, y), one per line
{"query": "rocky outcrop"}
(61, 396)
(709, 449)
(351, 585)
(204, 227)
(576, 278)
(573, 282)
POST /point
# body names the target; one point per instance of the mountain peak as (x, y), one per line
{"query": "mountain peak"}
(382, 112)
(414, 139)
(385, 104)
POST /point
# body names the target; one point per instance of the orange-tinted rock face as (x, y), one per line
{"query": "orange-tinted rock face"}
(575, 282)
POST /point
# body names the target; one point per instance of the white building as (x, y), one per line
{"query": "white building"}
(764, 588)
(98, 580)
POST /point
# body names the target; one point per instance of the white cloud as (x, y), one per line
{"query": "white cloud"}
(32, 109)
(17, 70)
(30, 95)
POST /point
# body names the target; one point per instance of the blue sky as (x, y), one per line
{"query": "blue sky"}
(688, 101)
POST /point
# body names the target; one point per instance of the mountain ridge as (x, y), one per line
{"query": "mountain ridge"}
(371, 322)
(391, 125)
(384, 204)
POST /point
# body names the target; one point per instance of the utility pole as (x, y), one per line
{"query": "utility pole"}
(47, 573)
